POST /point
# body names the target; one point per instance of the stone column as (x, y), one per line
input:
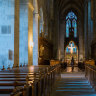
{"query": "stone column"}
(93, 46)
(86, 30)
(81, 39)
(50, 30)
(94, 19)
(35, 39)
(62, 37)
(57, 38)
(38, 34)
(30, 32)
(16, 35)
(90, 36)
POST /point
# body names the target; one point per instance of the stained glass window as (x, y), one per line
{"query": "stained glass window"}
(71, 20)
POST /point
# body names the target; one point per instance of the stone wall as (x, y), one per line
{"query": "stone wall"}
(6, 32)
(93, 45)
(7, 19)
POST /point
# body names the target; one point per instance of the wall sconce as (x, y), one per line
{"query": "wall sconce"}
(31, 44)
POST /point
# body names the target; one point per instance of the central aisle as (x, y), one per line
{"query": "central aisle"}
(73, 84)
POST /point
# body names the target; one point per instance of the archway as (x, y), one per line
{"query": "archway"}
(71, 50)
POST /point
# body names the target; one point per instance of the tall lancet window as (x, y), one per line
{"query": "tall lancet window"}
(71, 21)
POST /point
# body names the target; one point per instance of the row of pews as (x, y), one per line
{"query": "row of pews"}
(28, 81)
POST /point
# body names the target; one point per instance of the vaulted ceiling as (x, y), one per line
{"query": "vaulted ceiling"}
(66, 5)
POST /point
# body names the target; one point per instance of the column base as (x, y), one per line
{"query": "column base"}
(15, 66)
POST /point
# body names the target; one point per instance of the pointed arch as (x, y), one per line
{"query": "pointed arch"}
(71, 21)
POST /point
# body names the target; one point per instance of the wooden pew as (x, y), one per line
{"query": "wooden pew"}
(39, 81)
(8, 80)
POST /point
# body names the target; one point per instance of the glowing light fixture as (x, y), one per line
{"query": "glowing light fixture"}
(31, 44)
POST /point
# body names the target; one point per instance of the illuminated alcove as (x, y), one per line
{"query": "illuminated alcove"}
(71, 50)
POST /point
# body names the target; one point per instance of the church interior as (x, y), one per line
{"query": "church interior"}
(47, 47)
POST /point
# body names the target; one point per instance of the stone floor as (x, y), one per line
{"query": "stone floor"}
(72, 83)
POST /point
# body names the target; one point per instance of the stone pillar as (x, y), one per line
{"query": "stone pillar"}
(30, 32)
(93, 46)
(89, 29)
(86, 30)
(94, 19)
(16, 35)
(62, 38)
(81, 39)
(57, 36)
(51, 30)
(35, 39)
(38, 34)
(23, 32)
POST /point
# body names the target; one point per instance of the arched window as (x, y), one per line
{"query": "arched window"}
(71, 21)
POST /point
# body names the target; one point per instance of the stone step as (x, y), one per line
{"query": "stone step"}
(73, 84)
(73, 81)
(82, 95)
(84, 86)
(73, 93)
(58, 83)
(74, 89)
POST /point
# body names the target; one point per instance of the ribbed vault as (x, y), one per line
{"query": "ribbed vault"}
(66, 5)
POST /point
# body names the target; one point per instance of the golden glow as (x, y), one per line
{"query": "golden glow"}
(71, 48)
(31, 7)
(31, 69)
(31, 44)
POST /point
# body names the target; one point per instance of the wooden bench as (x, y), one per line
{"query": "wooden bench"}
(38, 80)
(8, 80)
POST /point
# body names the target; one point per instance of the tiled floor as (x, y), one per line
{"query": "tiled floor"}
(73, 83)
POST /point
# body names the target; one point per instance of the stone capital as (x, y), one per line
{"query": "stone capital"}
(37, 16)
(31, 6)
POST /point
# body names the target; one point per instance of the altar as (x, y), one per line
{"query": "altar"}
(71, 51)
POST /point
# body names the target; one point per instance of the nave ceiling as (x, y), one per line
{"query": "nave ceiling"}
(64, 6)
